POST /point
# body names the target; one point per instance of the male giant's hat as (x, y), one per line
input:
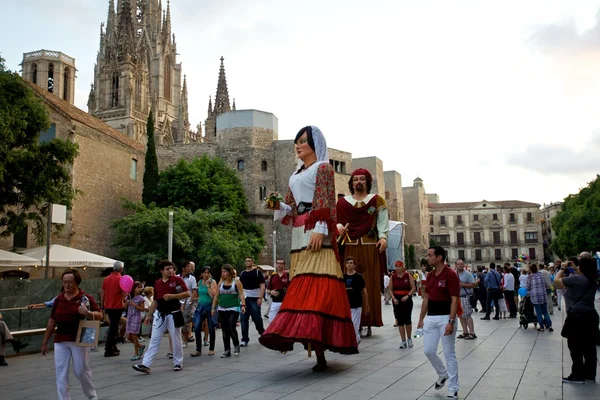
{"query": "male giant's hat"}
(363, 171)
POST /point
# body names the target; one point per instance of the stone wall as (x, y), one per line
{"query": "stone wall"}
(416, 216)
(375, 167)
(393, 195)
(170, 155)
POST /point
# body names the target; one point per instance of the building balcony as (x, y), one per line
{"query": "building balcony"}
(531, 241)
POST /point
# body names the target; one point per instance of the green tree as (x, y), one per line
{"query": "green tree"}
(150, 165)
(205, 183)
(32, 174)
(577, 224)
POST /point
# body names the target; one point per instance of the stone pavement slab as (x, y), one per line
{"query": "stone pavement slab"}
(505, 362)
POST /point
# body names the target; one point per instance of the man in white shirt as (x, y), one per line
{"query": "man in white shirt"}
(187, 304)
(509, 290)
(386, 289)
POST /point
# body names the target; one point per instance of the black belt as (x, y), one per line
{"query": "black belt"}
(303, 207)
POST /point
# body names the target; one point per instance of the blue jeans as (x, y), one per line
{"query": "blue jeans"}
(252, 310)
(203, 313)
(541, 312)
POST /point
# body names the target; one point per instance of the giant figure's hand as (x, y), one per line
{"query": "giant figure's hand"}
(382, 245)
(315, 241)
(341, 229)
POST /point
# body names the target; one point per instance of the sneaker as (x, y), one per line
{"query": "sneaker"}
(485, 318)
(590, 381)
(452, 395)
(94, 349)
(177, 368)
(496, 318)
(136, 358)
(206, 343)
(111, 354)
(441, 382)
(550, 329)
(141, 339)
(403, 345)
(196, 353)
(170, 355)
(369, 332)
(236, 351)
(184, 344)
(226, 354)
(191, 340)
(142, 349)
(243, 343)
(141, 368)
(410, 343)
(570, 379)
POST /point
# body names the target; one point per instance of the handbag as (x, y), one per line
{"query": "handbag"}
(178, 320)
(472, 298)
(88, 333)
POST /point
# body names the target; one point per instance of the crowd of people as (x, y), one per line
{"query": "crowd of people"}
(330, 293)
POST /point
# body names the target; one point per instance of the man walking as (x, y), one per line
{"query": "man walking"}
(509, 290)
(357, 294)
(253, 282)
(493, 284)
(278, 284)
(548, 278)
(112, 301)
(165, 314)
(467, 284)
(187, 304)
(440, 304)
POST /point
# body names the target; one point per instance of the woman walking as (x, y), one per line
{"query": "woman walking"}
(135, 306)
(207, 289)
(537, 287)
(315, 310)
(230, 299)
(581, 326)
(402, 287)
(69, 308)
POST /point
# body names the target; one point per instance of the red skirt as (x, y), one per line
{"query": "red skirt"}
(315, 310)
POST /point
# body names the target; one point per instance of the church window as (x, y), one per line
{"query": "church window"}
(262, 193)
(48, 135)
(133, 172)
(66, 84)
(240, 165)
(51, 78)
(34, 73)
(263, 165)
(167, 86)
(114, 92)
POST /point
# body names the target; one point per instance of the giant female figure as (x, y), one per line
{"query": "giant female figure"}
(315, 310)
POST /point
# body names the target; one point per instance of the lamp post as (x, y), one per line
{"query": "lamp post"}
(170, 255)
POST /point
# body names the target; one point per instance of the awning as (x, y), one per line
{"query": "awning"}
(8, 259)
(62, 256)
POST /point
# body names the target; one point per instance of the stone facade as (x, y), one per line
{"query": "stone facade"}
(416, 216)
(393, 195)
(137, 70)
(375, 167)
(487, 231)
(109, 166)
(52, 71)
(548, 212)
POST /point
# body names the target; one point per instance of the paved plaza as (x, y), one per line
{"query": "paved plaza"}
(506, 362)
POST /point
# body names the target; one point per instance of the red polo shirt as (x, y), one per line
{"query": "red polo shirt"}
(65, 313)
(279, 283)
(443, 286)
(169, 287)
(113, 295)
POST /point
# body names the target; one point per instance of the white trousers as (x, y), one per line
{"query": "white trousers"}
(434, 328)
(559, 295)
(159, 326)
(356, 314)
(274, 310)
(64, 352)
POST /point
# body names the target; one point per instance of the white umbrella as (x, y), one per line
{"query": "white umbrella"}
(8, 259)
(61, 256)
(266, 267)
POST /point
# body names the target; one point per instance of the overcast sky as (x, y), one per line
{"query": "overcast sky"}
(492, 100)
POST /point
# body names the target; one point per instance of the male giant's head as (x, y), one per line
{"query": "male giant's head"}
(360, 181)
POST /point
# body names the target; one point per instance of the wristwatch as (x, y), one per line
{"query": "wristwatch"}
(451, 321)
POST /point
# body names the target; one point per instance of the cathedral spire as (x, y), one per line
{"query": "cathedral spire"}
(210, 108)
(167, 22)
(222, 104)
(126, 31)
(110, 22)
(233, 106)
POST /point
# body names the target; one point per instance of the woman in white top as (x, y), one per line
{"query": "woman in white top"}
(315, 310)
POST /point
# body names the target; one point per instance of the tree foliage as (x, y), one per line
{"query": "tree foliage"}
(205, 183)
(32, 174)
(151, 164)
(577, 224)
(207, 229)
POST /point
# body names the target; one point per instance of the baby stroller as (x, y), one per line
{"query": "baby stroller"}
(526, 313)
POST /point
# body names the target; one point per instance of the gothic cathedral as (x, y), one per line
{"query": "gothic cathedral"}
(137, 70)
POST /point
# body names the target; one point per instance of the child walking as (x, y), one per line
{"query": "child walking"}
(134, 319)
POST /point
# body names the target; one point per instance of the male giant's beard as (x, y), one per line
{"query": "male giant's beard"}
(359, 187)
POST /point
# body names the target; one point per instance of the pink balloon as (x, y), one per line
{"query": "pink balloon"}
(126, 283)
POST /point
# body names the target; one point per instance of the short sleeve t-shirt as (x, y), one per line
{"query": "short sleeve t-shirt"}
(113, 294)
(440, 290)
(279, 283)
(251, 281)
(465, 277)
(579, 293)
(174, 285)
(66, 314)
(355, 283)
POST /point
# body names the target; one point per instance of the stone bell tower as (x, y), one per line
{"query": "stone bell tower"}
(51, 70)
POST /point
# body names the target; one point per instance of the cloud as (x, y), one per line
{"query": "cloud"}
(576, 55)
(560, 160)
